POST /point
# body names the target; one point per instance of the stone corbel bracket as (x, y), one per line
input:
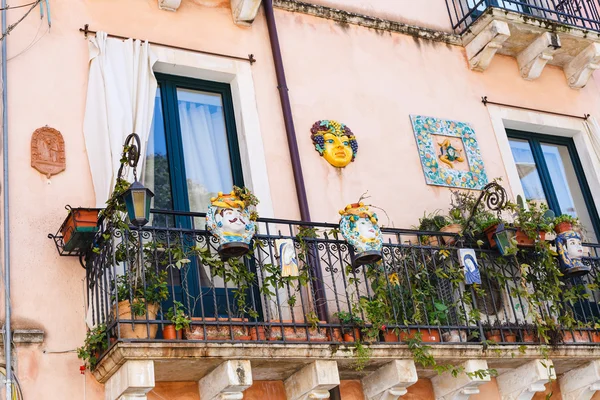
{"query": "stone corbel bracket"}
(581, 383)
(461, 387)
(314, 381)
(244, 11)
(527, 380)
(169, 5)
(133, 380)
(579, 70)
(390, 381)
(484, 46)
(226, 382)
(534, 58)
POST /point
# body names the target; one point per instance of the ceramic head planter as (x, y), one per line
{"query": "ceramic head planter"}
(230, 220)
(359, 227)
(335, 142)
(570, 253)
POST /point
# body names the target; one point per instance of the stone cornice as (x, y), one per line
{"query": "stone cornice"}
(347, 17)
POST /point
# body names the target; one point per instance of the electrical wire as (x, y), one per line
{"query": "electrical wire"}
(19, 6)
(33, 42)
(13, 26)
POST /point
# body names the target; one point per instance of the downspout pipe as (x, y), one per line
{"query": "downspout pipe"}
(288, 120)
(319, 288)
(7, 327)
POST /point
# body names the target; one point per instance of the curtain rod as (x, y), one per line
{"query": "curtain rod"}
(485, 102)
(249, 59)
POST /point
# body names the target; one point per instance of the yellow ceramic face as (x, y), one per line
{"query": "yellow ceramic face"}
(337, 150)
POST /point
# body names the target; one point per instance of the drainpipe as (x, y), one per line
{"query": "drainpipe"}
(287, 111)
(319, 288)
(7, 328)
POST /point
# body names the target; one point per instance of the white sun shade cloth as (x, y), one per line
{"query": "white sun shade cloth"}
(120, 101)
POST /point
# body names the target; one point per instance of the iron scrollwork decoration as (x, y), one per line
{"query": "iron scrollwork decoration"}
(131, 153)
(495, 198)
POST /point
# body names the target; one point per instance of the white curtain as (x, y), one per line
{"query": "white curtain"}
(206, 153)
(120, 101)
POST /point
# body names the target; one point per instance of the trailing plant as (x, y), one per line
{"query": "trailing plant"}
(566, 218)
(96, 341)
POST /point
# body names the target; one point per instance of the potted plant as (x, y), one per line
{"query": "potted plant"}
(432, 222)
(455, 223)
(492, 331)
(528, 333)
(179, 322)
(139, 299)
(564, 223)
(93, 346)
(351, 325)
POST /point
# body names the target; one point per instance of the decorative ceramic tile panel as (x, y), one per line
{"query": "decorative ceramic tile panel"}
(449, 153)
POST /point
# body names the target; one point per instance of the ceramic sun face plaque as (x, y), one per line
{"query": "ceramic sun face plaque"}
(449, 153)
(360, 228)
(229, 220)
(335, 142)
(570, 254)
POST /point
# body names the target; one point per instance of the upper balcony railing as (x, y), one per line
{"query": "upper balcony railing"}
(577, 13)
(134, 276)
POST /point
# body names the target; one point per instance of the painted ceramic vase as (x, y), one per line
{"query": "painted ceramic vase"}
(228, 219)
(570, 254)
(359, 227)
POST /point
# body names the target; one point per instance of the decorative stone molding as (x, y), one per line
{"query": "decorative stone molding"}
(169, 5)
(524, 382)
(244, 11)
(461, 387)
(534, 58)
(484, 46)
(132, 381)
(390, 381)
(226, 382)
(580, 69)
(314, 381)
(581, 383)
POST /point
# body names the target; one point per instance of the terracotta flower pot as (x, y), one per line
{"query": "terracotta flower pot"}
(217, 332)
(352, 335)
(257, 333)
(493, 335)
(595, 337)
(138, 330)
(452, 228)
(525, 241)
(79, 228)
(170, 333)
(510, 338)
(563, 227)
(389, 336)
(427, 336)
(529, 337)
(337, 335)
(576, 337)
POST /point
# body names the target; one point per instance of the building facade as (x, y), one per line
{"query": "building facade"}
(313, 106)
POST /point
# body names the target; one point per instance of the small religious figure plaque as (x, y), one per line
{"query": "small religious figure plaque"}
(48, 151)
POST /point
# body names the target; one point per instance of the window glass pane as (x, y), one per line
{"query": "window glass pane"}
(156, 169)
(205, 147)
(566, 186)
(528, 171)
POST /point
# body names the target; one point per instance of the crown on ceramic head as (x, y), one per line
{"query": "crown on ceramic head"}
(359, 210)
(227, 200)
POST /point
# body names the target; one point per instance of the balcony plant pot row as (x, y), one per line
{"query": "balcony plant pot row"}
(521, 237)
(427, 335)
(217, 332)
(297, 334)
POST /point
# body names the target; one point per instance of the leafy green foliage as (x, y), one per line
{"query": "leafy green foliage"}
(96, 341)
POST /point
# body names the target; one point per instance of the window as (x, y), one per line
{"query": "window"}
(193, 150)
(551, 173)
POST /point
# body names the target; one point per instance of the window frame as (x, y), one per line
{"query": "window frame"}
(168, 85)
(535, 140)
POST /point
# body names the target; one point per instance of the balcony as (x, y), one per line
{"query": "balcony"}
(361, 317)
(564, 33)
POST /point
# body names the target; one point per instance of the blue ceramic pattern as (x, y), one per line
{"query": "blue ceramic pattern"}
(424, 127)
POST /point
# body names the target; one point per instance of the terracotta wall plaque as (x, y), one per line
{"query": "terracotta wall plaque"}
(48, 151)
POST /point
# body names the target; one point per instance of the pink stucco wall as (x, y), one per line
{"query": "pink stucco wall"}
(369, 80)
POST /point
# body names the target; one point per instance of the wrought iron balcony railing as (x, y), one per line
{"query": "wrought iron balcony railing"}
(577, 13)
(134, 277)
